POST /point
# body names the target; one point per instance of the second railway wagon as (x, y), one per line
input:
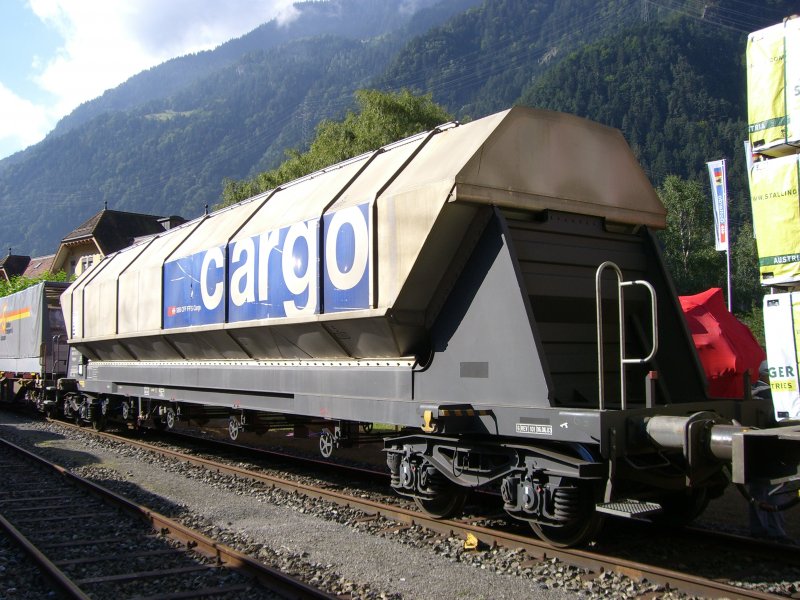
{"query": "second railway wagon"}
(494, 288)
(33, 345)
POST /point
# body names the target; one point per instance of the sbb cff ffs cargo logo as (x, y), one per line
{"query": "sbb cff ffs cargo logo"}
(274, 274)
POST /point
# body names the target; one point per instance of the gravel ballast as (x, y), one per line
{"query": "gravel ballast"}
(334, 548)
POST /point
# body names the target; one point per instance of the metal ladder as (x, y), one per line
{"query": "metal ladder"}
(623, 360)
(621, 507)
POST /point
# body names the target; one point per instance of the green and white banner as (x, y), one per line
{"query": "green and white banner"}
(773, 88)
(776, 219)
(782, 330)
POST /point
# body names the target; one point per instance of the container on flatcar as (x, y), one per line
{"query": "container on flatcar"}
(33, 343)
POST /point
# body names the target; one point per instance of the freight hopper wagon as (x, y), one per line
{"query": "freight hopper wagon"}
(493, 288)
(33, 345)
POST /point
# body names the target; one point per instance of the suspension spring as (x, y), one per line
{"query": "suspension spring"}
(566, 503)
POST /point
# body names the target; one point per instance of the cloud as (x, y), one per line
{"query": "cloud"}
(105, 42)
(409, 7)
(22, 122)
(200, 25)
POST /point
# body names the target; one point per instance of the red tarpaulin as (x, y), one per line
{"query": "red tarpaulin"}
(726, 347)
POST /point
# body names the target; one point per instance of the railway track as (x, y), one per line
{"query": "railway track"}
(616, 556)
(93, 543)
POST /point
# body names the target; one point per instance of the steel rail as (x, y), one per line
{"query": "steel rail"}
(271, 578)
(690, 584)
(65, 585)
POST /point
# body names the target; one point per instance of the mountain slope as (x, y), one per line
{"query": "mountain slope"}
(669, 73)
(656, 84)
(170, 155)
(349, 19)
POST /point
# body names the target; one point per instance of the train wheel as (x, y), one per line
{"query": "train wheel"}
(126, 411)
(169, 417)
(234, 427)
(448, 502)
(326, 443)
(578, 533)
(582, 522)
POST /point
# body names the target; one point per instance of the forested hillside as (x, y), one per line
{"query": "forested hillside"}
(314, 19)
(656, 83)
(170, 155)
(669, 73)
(480, 61)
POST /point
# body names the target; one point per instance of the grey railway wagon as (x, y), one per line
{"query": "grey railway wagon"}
(494, 287)
(33, 340)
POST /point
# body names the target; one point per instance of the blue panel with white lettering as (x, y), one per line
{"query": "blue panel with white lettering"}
(194, 289)
(346, 274)
(274, 274)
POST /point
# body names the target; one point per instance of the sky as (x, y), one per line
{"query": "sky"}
(57, 54)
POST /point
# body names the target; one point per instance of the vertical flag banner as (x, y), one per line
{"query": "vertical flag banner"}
(716, 172)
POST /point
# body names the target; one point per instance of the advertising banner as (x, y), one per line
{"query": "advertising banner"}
(719, 193)
(776, 219)
(194, 289)
(782, 330)
(275, 274)
(792, 86)
(347, 251)
(773, 88)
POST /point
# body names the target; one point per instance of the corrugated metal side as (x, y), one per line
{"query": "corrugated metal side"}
(140, 292)
(101, 299)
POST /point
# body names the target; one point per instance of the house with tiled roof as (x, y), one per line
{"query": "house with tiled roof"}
(104, 233)
(39, 265)
(13, 265)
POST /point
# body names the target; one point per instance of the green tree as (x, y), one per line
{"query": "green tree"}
(19, 283)
(688, 240)
(747, 291)
(382, 118)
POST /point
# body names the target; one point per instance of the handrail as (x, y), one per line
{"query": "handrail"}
(623, 360)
